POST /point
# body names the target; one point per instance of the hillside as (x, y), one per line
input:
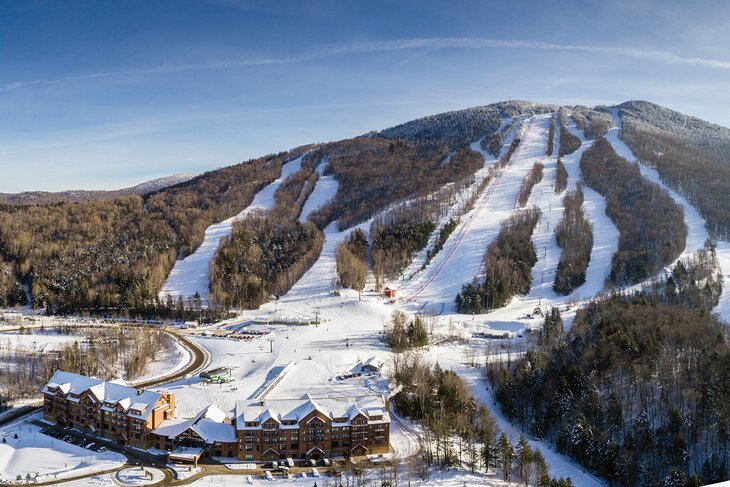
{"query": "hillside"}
(46, 197)
(570, 255)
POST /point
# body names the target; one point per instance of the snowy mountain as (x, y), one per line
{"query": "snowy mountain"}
(574, 259)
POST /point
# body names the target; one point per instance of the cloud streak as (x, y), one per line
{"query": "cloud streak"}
(326, 51)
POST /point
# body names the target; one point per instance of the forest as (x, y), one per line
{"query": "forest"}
(507, 264)
(459, 432)
(263, 257)
(351, 261)
(695, 282)
(652, 232)
(635, 391)
(104, 352)
(698, 172)
(113, 256)
(569, 143)
(374, 173)
(593, 123)
(574, 235)
(551, 138)
(561, 177)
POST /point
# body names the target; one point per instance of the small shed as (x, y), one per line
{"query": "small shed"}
(390, 292)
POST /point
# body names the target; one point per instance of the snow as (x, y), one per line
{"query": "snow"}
(139, 476)
(323, 192)
(696, 229)
(696, 232)
(723, 256)
(351, 329)
(36, 343)
(60, 459)
(450, 357)
(605, 233)
(447, 478)
(192, 274)
(166, 362)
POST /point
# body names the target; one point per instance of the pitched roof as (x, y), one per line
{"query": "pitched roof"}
(115, 392)
(297, 409)
(209, 424)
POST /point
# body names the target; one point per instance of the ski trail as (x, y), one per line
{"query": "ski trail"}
(192, 274)
(605, 233)
(319, 280)
(324, 191)
(696, 232)
(460, 259)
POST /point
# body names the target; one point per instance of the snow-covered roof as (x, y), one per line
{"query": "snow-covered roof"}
(209, 424)
(285, 410)
(114, 393)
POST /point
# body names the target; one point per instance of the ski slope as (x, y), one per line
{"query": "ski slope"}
(605, 233)
(192, 274)
(697, 233)
(460, 259)
(324, 191)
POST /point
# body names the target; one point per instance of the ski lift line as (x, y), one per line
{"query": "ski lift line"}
(467, 227)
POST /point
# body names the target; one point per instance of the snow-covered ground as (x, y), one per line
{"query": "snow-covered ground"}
(49, 458)
(723, 255)
(351, 329)
(696, 229)
(166, 363)
(192, 274)
(605, 233)
(36, 342)
(323, 192)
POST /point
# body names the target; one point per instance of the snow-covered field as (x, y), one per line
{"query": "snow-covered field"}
(35, 453)
(36, 342)
(191, 274)
(166, 363)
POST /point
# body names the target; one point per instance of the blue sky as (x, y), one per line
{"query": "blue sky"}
(106, 94)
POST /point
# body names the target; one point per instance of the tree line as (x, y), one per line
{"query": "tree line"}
(532, 178)
(264, 257)
(569, 143)
(351, 261)
(507, 264)
(111, 257)
(104, 352)
(699, 173)
(634, 392)
(652, 232)
(574, 235)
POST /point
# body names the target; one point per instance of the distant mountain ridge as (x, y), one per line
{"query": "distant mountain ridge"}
(48, 197)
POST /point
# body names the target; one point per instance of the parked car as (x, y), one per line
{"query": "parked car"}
(101, 449)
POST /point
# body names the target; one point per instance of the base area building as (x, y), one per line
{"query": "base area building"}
(307, 428)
